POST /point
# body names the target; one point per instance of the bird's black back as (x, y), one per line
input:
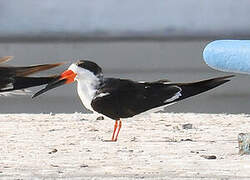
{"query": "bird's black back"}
(128, 98)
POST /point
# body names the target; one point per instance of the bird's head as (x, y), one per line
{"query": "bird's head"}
(83, 70)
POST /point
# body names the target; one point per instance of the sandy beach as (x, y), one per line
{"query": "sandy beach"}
(155, 146)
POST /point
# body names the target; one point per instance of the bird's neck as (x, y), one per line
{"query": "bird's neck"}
(87, 89)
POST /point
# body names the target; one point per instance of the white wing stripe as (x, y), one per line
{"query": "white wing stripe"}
(176, 96)
(102, 94)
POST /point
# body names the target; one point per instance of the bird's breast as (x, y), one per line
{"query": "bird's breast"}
(86, 94)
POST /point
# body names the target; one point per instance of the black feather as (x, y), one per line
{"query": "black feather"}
(14, 78)
(16, 83)
(125, 98)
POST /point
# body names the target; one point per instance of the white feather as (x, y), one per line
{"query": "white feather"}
(86, 85)
(176, 96)
(102, 95)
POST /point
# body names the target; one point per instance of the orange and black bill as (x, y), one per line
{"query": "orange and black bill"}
(66, 77)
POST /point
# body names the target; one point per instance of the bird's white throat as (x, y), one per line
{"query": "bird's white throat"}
(87, 84)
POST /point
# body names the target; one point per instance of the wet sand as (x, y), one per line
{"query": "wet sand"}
(155, 146)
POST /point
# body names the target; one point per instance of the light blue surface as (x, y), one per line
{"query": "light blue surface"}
(228, 55)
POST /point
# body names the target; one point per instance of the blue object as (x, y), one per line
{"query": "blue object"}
(228, 55)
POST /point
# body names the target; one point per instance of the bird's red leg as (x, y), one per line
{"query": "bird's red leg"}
(115, 127)
(120, 125)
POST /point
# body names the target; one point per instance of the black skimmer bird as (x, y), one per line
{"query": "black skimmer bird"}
(123, 98)
(15, 78)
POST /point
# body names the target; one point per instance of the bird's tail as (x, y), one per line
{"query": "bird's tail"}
(192, 89)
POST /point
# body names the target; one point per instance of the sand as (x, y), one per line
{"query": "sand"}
(155, 146)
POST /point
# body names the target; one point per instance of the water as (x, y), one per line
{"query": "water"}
(176, 61)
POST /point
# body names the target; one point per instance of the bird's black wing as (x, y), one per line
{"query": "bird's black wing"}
(5, 59)
(17, 83)
(121, 98)
(7, 71)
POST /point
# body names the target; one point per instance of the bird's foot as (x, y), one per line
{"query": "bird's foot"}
(111, 140)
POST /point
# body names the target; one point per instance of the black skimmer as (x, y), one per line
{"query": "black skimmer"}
(123, 98)
(15, 78)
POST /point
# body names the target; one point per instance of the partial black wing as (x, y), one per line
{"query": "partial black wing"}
(14, 78)
(5, 59)
(119, 98)
(17, 83)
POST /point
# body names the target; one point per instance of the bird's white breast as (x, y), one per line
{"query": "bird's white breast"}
(86, 94)
(86, 85)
